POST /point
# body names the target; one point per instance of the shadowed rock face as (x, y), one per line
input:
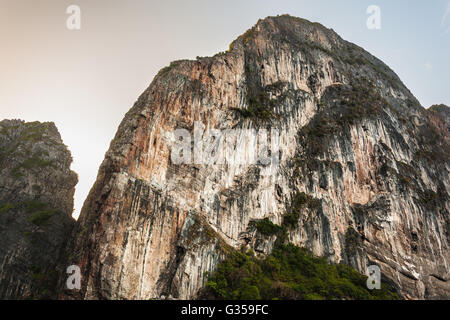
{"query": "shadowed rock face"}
(372, 161)
(36, 204)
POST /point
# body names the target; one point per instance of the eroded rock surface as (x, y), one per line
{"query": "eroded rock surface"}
(36, 204)
(372, 161)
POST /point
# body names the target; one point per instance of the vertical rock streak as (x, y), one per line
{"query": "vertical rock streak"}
(352, 136)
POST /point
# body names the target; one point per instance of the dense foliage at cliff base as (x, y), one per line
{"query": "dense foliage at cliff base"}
(289, 272)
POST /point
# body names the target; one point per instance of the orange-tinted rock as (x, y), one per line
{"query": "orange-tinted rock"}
(152, 229)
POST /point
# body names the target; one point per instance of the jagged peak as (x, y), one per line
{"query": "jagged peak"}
(311, 39)
(441, 109)
(288, 28)
(34, 129)
(270, 27)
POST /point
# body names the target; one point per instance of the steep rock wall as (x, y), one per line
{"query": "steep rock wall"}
(36, 204)
(352, 137)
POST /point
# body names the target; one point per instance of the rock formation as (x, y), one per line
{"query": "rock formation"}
(36, 204)
(362, 176)
(371, 160)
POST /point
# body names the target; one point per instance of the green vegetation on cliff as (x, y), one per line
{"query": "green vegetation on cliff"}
(34, 162)
(5, 207)
(289, 272)
(341, 107)
(266, 227)
(39, 212)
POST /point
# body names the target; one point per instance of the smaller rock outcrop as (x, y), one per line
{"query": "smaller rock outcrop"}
(36, 205)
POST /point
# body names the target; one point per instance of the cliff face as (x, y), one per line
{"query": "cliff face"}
(370, 164)
(36, 204)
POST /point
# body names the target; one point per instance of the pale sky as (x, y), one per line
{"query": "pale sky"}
(86, 80)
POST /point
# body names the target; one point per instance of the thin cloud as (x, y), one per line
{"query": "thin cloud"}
(446, 14)
(428, 66)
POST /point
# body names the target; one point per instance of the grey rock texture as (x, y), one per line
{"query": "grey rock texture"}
(372, 162)
(36, 204)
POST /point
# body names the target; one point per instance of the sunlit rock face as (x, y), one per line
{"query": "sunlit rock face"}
(36, 204)
(351, 136)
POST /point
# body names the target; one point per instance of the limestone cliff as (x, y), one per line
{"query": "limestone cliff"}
(36, 204)
(371, 163)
